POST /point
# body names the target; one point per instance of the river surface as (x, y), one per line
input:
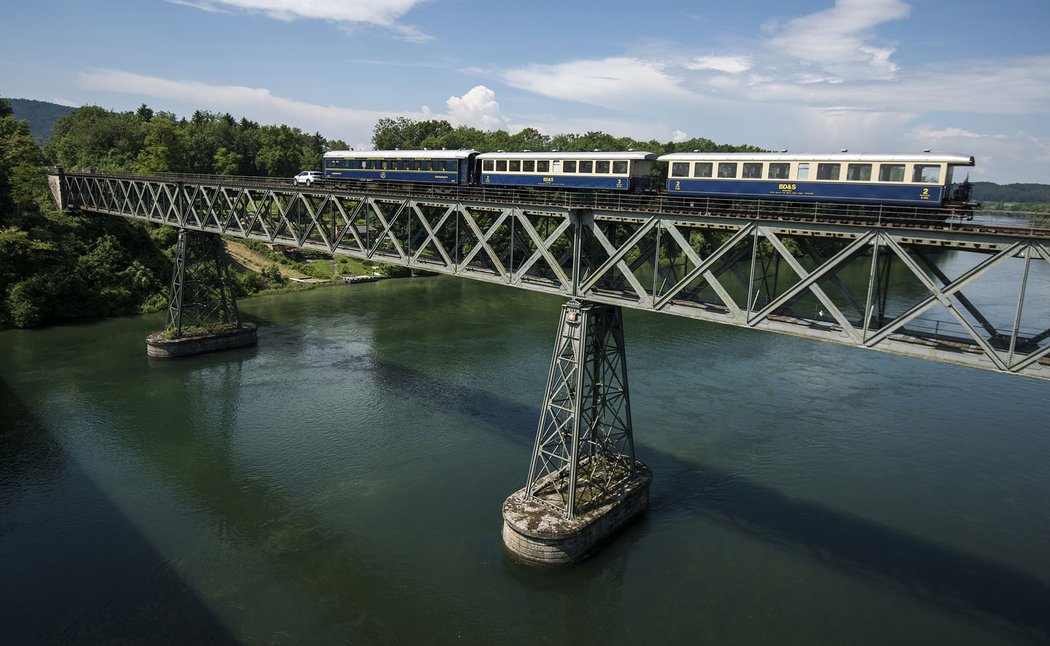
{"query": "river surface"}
(342, 483)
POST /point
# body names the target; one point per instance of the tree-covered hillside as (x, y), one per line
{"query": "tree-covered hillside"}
(990, 193)
(60, 266)
(41, 116)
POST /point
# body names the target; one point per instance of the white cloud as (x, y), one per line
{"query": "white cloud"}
(384, 13)
(727, 64)
(258, 104)
(679, 136)
(989, 86)
(609, 82)
(838, 40)
(477, 108)
(203, 5)
(929, 132)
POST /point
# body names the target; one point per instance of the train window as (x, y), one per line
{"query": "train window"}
(410, 164)
(424, 164)
(727, 169)
(543, 166)
(601, 167)
(926, 174)
(568, 167)
(752, 170)
(858, 172)
(529, 166)
(891, 173)
(487, 165)
(779, 171)
(619, 167)
(679, 169)
(702, 169)
(586, 167)
(501, 165)
(828, 171)
(452, 165)
(515, 165)
(803, 170)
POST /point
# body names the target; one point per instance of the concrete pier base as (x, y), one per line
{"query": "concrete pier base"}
(536, 533)
(159, 347)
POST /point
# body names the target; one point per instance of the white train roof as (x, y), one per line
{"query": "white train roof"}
(933, 158)
(400, 154)
(629, 155)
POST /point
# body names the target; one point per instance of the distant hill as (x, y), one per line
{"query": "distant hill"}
(989, 193)
(41, 116)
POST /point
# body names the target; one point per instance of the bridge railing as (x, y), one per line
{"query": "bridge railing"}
(874, 215)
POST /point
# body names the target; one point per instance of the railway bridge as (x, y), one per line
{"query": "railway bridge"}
(944, 289)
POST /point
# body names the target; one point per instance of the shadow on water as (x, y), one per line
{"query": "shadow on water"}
(57, 530)
(302, 551)
(996, 596)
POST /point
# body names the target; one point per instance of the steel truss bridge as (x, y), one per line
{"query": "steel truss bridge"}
(874, 285)
(941, 290)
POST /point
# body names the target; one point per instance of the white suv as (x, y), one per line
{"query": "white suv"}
(308, 177)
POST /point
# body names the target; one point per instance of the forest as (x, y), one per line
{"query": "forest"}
(58, 266)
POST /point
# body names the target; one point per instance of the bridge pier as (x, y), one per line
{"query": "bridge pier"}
(584, 482)
(202, 311)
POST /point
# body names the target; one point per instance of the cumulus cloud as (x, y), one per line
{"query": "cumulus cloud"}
(840, 40)
(255, 103)
(679, 136)
(607, 82)
(384, 13)
(477, 108)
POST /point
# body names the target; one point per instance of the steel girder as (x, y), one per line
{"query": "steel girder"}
(201, 295)
(897, 289)
(584, 449)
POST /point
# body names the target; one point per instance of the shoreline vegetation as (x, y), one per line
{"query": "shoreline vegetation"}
(58, 267)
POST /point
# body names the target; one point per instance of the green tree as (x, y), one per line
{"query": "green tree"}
(166, 146)
(280, 151)
(91, 137)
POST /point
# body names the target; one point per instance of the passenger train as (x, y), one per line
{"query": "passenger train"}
(892, 179)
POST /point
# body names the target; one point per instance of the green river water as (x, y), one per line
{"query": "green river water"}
(342, 483)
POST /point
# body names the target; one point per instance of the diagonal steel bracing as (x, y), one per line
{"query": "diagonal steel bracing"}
(887, 287)
(584, 448)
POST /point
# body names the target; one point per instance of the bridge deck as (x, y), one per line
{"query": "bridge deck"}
(865, 277)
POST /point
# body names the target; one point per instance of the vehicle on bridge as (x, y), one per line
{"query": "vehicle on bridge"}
(428, 166)
(905, 180)
(308, 178)
(615, 171)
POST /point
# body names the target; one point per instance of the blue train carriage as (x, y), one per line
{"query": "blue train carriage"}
(427, 166)
(895, 179)
(619, 171)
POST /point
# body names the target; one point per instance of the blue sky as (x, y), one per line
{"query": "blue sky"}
(968, 76)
